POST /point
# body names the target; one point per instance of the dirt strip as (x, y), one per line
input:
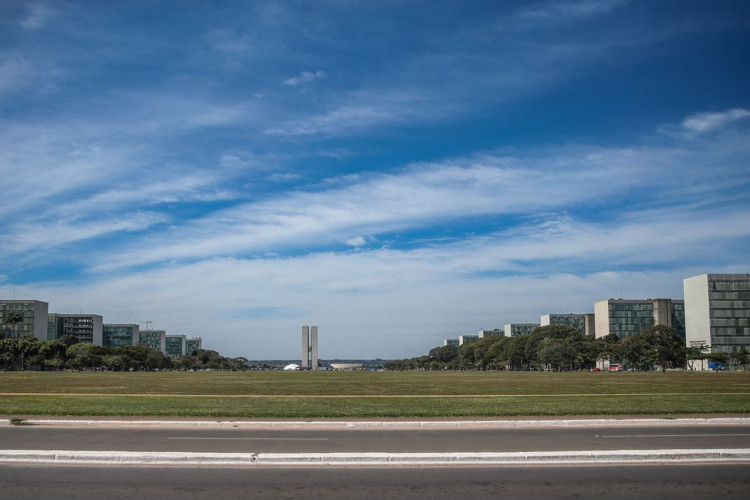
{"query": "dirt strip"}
(365, 396)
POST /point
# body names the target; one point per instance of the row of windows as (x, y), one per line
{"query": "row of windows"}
(729, 304)
(730, 313)
(730, 321)
(730, 331)
(729, 295)
(631, 307)
(730, 285)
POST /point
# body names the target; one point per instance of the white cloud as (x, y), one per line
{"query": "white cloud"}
(345, 120)
(305, 77)
(356, 241)
(707, 122)
(445, 193)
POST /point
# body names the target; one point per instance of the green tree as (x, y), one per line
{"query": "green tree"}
(12, 318)
(69, 340)
(517, 352)
(658, 346)
(740, 358)
(444, 354)
(717, 358)
(83, 356)
(557, 353)
(8, 353)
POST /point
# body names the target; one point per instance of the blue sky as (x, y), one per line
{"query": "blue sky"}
(394, 172)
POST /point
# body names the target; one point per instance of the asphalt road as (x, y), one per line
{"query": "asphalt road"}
(345, 440)
(686, 482)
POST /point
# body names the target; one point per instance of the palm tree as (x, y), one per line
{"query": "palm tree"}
(12, 318)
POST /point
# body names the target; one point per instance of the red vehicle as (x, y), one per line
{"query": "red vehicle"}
(615, 368)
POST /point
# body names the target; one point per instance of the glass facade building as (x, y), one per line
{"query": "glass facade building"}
(625, 318)
(718, 311)
(192, 345)
(87, 328)
(465, 339)
(121, 335)
(491, 333)
(516, 329)
(577, 321)
(155, 339)
(175, 345)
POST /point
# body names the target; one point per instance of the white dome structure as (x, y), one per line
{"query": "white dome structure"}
(292, 367)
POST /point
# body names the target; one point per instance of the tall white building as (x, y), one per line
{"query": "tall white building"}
(717, 311)
(309, 347)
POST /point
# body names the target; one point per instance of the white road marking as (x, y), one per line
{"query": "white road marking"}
(624, 436)
(246, 439)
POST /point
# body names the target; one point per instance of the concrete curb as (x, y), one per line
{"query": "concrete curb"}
(405, 424)
(324, 459)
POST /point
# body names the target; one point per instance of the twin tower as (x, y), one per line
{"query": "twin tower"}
(309, 348)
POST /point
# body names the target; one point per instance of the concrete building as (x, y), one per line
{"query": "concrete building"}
(465, 339)
(192, 345)
(155, 339)
(625, 318)
(516, 329)
(35, 318)
(453, 342)
(117, 335)
(491, 333)
(309, 348)
(88, 328)
(174, 345)
(717, 311)
(590, 322)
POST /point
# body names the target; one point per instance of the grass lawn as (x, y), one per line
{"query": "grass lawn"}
(370, 394)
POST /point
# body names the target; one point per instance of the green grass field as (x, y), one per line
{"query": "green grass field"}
(370, 394)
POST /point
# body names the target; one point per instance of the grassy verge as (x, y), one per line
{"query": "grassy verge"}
(322, 407)
(367, 395)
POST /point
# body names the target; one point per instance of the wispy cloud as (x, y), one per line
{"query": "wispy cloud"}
(305, 77)
(435, 194)
(710, 121)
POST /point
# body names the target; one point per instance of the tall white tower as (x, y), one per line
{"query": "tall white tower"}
(309, 347)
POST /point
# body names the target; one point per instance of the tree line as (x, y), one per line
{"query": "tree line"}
(564, 348)
(30, 353)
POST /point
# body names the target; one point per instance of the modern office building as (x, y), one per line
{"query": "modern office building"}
(192, 345)
(717, 308)
(88, 328)
(491, 333)
(516, 329)
(117, 335)
(453, 342)
(625, 318)
(155, 339)
(175, 345)
(465, 339)
(309, 348)
(34, 323)
(577, 321)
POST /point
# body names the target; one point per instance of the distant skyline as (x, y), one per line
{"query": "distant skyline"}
(393, 172)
